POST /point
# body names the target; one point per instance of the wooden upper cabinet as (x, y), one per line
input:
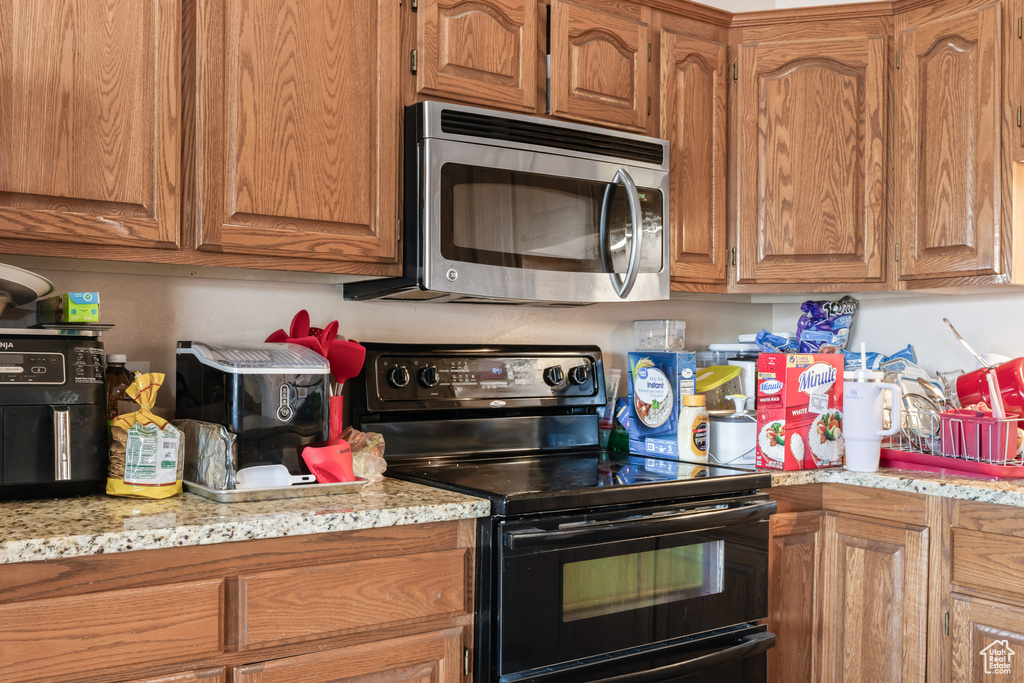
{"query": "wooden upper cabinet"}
(1016, 66)
(599, 66)
(90, 99)
(948, 143)
(479, 51)
(693, 119)
(811, 158)
(297, 123)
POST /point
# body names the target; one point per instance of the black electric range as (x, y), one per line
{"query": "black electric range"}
(594, 565)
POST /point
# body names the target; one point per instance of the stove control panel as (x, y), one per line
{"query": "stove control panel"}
(482, 377)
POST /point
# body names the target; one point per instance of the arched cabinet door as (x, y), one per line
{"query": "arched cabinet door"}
(693, 119)
(479, 51)
(949, 158)
(811, 160)
(600, 66)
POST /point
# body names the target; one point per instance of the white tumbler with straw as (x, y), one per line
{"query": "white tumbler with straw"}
(863, 408)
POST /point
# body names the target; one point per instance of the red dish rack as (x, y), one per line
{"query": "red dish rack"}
(958, 441)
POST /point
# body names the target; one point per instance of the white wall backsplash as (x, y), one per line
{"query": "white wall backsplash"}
(992, 323)
(152, 312)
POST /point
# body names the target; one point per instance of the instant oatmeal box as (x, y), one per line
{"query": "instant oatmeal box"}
(800, 410)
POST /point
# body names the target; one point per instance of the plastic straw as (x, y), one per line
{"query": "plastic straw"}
(994, 396)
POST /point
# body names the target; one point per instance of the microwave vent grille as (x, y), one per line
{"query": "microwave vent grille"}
(559, 137)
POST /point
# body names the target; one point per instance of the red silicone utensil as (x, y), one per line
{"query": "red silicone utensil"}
(300, 325)
(331, 464)
(346, 358)
(334, 433)
(278, 336)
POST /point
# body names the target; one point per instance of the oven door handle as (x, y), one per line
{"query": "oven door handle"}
(650, 526)
(748, 646)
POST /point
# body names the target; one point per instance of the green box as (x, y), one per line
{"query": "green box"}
(73, 307)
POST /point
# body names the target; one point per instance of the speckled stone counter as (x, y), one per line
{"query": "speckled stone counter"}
(48, 529)
(963, 487)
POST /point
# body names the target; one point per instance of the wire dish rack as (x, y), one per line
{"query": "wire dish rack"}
(955, 441)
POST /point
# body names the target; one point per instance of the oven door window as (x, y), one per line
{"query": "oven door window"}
(527, 220)
(560, 604)
(632, 581)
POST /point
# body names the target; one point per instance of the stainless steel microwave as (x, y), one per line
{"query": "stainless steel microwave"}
(519, 209)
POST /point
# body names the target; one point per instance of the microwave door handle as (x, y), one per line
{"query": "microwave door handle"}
(623, 285)
(628, 529)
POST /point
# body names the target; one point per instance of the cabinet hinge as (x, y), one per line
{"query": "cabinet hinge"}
(465, 661)
(648, 52)
(412, 61)
(735, 72)
(648, 105)
(897, 59)
(734, 257)
(897, 252)
(414, 5)
(946, 627)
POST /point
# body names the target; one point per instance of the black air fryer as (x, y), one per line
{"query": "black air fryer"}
(273, 397)
(53, 425)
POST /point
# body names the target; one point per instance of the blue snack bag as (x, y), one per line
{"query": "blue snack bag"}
(824, 326)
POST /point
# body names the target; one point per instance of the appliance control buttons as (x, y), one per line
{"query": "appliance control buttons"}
(553, 376)
(285, 411)
(578, 375)
(398, 376)
(428, 376)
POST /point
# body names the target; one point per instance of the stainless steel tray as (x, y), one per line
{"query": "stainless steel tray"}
(273, 492)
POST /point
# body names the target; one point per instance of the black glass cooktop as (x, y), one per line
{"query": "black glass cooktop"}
(574, 481)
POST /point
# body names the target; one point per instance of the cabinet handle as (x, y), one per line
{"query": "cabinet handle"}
(735, 72)
(734, 257)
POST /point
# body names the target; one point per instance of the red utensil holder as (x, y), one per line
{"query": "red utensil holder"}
(965, 434)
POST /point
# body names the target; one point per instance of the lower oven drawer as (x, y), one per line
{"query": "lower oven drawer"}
(584, 587)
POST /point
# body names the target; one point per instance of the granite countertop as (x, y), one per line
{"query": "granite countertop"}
(50, 529)
(960, 486)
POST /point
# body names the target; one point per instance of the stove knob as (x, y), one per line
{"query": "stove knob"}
(428, 376)
(578, 375)
(553, 376)
(398, 376)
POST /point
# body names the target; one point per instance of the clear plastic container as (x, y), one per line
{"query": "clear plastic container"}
(659, 335)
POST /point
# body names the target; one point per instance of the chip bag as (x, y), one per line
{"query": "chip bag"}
(145, 450)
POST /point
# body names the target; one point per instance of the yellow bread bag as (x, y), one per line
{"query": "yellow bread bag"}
(145, 450)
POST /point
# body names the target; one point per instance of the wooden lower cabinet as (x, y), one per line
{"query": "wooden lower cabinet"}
(876, 581)
(988, 640)
(390, 604)
(849, 585)
(795, 595)
(215, 675)
(425, 658)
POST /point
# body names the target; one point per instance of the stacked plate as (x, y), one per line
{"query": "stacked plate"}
(19, 287)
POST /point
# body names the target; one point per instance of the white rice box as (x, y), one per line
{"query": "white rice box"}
(800, 411)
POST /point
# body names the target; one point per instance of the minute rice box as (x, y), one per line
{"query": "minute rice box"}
(800, 411)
